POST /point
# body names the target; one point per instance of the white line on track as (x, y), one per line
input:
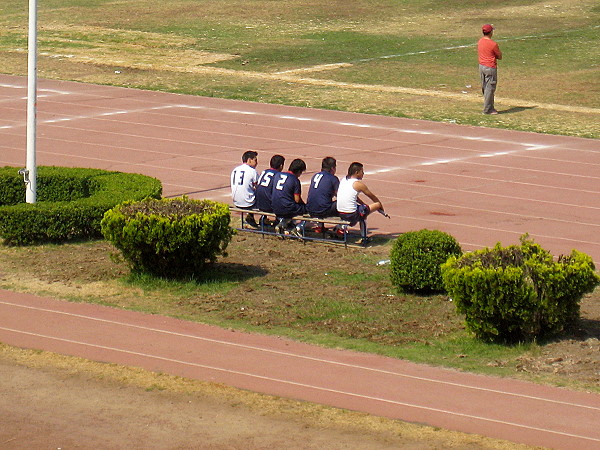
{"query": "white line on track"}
(524, 146)
(293, 355)
(310, 386)
(290, 117)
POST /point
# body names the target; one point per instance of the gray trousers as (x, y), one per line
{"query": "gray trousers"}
(489, 79)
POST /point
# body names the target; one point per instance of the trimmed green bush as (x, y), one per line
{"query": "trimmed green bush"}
(518, 293)
(70, 202)
(416, 257)
(172, 238)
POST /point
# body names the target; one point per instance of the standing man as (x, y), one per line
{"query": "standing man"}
(264, 188)
(489, 53)
(323, 188)
(243, 184)
(350, 206)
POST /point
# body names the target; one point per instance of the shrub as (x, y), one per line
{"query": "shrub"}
(416, 257)
(70, 202)
(171, 237)
(518, 293)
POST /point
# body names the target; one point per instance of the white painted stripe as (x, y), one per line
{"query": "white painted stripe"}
(310, 386)
(295, 355)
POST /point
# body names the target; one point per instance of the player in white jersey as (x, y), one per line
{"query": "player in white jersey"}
(349, 204)
(243, 184)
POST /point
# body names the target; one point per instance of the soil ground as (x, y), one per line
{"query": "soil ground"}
(58, 402)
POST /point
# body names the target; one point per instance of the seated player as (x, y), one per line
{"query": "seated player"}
(287, 195)
(322, 192)
(243, 185)
(264, 187)
(350, 206)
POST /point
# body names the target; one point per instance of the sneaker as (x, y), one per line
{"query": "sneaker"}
(364, 241)
(337, 233)
(250, 221)
(298, 230)
(319, 230)
(281, 227)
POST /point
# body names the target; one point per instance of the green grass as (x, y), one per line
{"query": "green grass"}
(551, 51)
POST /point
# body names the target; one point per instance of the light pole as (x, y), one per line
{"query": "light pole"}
(30, 173)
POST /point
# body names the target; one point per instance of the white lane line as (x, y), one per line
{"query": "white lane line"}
(498, 230)
(289, 354)
(294, 117)
(303, 118)
(308, 386)
(87, 116)
(420, 201)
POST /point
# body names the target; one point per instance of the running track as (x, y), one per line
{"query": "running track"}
(480, 185)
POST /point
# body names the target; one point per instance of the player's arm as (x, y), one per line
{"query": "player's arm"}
(363, 189)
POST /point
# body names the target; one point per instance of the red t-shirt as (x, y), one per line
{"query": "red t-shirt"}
(488, 52)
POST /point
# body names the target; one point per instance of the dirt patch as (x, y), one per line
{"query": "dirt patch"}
(53, 401)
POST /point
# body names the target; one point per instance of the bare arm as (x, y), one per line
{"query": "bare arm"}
(363, 189)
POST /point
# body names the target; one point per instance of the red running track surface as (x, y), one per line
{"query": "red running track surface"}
(500, 408)
(481, 185)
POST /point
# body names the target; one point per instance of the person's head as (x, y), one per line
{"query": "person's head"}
(277, 162)
(251, 158)
(356, 170)
(487, 29)
(297, 167)
(329, 164)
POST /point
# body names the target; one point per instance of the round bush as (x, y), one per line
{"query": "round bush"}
(70, 202)
(518, 293)
(416, 257)
(172, 238)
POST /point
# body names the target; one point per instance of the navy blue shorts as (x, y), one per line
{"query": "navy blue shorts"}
(357, 216)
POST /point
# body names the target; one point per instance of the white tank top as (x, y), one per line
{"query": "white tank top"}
(347, 195)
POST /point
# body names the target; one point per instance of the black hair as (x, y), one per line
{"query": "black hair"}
(277, 162)
(328, 163)
(354, 168)
(250, 154)
(297, 166)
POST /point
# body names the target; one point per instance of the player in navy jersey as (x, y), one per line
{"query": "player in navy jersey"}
(264, 187)
(323, 189)
(287, 195)
(287, 192)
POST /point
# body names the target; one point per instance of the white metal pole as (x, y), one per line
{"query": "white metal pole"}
(31, 174)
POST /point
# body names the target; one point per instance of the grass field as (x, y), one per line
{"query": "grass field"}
(410, 58)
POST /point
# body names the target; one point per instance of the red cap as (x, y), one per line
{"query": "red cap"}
(487, 28)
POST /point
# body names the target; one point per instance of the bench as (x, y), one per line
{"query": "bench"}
(268, 229)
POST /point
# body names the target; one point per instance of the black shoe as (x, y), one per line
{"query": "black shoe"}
(251, 222)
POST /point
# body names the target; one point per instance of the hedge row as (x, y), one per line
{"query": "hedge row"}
(70, 202)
